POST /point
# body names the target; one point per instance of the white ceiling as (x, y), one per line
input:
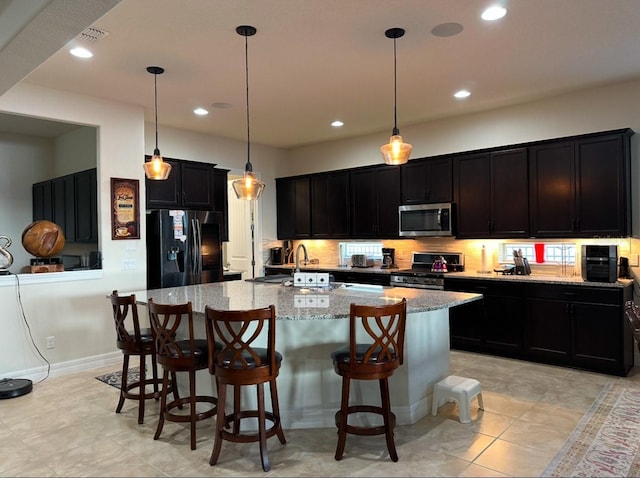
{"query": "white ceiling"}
(314, 61)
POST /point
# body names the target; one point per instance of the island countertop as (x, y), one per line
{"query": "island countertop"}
(296, 303)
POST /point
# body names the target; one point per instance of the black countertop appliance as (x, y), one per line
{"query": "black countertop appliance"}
(276, 256)
(599, 263)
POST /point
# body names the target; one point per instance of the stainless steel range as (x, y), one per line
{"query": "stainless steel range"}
(428, 270)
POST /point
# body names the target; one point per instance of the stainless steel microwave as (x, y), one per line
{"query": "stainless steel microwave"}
(426, 220)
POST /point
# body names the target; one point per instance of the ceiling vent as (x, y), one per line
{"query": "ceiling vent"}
(93, 34)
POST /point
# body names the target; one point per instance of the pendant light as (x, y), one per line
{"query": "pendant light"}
(156, 169)
(395, 152)
(249, 187)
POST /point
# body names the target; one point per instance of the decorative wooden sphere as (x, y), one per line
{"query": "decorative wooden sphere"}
(43, 238)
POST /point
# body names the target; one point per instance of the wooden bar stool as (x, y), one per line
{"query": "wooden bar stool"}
(376, 359)
(235, 360)
(177, 354)
(133, 340)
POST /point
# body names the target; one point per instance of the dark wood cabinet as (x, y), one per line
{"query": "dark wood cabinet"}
(190, 186)
(86, 206)
(492, 198)
(71, 202)
(293, 207)
(575, 326)
(375, 197)
(493, 324)
(221, 201)
(427, 180)
(581, 187)
(330, 208)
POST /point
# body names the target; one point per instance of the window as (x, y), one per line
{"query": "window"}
(554, 253)
(372, 250)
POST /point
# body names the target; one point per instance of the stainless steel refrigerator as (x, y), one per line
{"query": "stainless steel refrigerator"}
(183, 248)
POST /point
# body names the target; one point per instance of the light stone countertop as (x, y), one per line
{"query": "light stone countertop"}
(296, 303)
(535, 278)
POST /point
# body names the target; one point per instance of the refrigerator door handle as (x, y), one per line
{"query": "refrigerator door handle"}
(197, 248)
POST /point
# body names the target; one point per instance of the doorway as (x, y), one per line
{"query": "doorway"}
(242, 248)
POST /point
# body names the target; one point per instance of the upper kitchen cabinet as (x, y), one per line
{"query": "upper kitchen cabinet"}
(221, 201)
(581, 187)
(293, 207)
(375, 197)
(189, 186)
(330, 196)
(491, 194)
(71, 202)
(427, 180)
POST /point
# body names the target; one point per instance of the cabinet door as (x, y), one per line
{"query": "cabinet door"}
(364, 216)
(63, 205)
(86, 206)
(552, 190)
(601, 187)
(466, 326)
(596, 338)
(221, 201)
(472, 186)
(42, 201)
(165, 194)
(197, 185)
(293, 210)
(414, 176)
(387, 197)
(548, 330)
(509, 194)
(440, 180)
(330, 205)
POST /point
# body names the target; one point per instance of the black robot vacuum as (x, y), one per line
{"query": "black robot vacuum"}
(15, 387)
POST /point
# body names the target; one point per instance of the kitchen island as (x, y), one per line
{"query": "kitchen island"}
(311, 323)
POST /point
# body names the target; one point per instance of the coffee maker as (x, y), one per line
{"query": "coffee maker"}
(388, 258)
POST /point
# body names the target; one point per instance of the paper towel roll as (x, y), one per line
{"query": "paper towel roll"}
(483, 260)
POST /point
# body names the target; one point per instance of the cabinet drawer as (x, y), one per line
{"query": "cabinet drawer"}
(486, 287)
(598, 295)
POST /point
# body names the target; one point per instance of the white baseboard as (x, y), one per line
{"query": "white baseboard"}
(72, 366)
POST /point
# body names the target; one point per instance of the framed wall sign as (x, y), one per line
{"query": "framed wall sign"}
(125, 209)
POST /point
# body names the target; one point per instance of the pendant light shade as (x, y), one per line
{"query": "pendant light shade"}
(249, 187)
(396, 151)
(156, 169)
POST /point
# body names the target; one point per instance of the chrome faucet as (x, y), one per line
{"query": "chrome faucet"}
(306, 258)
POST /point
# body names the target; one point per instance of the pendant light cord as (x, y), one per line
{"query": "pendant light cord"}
(395, 92)
(155, 88)
(246, 77)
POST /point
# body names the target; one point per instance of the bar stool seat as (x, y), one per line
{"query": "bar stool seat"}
(134, 340)
(235, 360)
(384, 326)
(177, 354)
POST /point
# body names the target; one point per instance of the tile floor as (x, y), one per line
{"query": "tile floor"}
(67, 427)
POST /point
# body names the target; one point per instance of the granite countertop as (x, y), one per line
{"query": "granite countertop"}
(296, 303)
(534, 278)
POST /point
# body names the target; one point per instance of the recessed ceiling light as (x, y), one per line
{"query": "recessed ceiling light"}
(494, 12)
(201, 111)
(337, 124)
(462, 94)
(81, 52)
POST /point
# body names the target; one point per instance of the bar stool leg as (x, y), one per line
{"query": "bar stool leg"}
(386, 414)
(262, 434)
(192, 404)
(123, 384)
(163, 403)
(275, 404)
(342, 422)
(220, 423)
(143, 388)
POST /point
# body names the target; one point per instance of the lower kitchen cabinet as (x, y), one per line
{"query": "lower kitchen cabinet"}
(575, 326)
(493, 324)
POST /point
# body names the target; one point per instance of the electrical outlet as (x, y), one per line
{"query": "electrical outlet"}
(51, 342)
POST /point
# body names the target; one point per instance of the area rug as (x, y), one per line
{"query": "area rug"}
(115, 378)
(606, 442)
